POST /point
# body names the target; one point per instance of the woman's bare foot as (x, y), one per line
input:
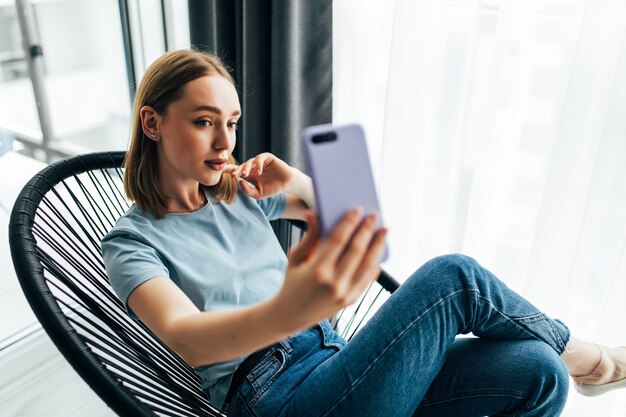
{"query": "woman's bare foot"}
(581, 358)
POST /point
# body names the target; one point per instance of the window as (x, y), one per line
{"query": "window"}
(86, 95)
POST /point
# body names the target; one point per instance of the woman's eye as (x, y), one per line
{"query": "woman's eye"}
(203, 123)
(233, 125)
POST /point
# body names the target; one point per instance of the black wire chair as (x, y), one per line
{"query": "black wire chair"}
(55, 230)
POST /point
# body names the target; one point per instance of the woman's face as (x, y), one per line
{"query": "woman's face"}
(197, 133)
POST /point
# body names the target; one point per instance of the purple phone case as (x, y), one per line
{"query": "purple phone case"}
(341, 172)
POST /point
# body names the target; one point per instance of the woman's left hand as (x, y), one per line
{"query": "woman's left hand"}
(269, 174)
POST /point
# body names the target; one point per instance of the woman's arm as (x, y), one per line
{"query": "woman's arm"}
(294, 208)
(301, 186)
(205, 337)
(300, 196)
(322, 277)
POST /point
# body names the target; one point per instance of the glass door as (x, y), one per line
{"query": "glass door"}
(74, 100)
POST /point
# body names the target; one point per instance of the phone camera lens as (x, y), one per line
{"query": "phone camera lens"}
(324, 137)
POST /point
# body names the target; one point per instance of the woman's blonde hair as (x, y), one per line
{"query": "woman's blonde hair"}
(162, 84)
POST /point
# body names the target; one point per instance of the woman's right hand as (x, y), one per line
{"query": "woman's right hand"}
(326, 275)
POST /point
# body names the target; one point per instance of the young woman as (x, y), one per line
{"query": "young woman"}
(195, 259)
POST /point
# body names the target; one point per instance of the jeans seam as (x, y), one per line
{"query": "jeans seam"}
(530, 319)
(245, 404)
(262, 367)
(519, 323)
(515, 413)
(558, 336)
(511, 319)
(286, 345)
(392, 342)
(490, 393)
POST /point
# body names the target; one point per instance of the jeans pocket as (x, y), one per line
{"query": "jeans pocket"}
(264, 373)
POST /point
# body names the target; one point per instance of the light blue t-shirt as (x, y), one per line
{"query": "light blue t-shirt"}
(223, 257)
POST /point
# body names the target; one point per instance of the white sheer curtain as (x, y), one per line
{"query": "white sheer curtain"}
(498, 129)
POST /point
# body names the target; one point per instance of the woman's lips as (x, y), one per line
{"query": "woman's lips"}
(216, 165)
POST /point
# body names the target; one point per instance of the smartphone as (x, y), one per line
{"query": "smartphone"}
(339, 164)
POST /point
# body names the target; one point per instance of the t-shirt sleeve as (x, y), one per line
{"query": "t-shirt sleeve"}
(130, 262)
(273, 206)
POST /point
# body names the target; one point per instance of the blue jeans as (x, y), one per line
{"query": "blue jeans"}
(407, 361)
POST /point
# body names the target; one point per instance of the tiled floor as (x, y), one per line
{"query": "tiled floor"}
(36, 381)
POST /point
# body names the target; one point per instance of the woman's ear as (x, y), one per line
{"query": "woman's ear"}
(149, 118)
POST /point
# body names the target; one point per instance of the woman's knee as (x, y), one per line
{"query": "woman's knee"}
(455, 267)
(545, 371)
(454, 260)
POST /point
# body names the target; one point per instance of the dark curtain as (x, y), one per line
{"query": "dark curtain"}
(281, 55)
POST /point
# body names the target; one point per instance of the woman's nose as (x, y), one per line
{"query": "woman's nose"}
(222, 138)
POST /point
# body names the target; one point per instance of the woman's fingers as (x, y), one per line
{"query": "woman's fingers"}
(358, 246)
(369, 269)
(246, 168)
(260, 160)
(249, 190)
(240, 171)
(350, 255)
(358, 265)
(234, 173)
(230, 168)
(335, 244)
(351, 249)
(253, 165)
(303, 250)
